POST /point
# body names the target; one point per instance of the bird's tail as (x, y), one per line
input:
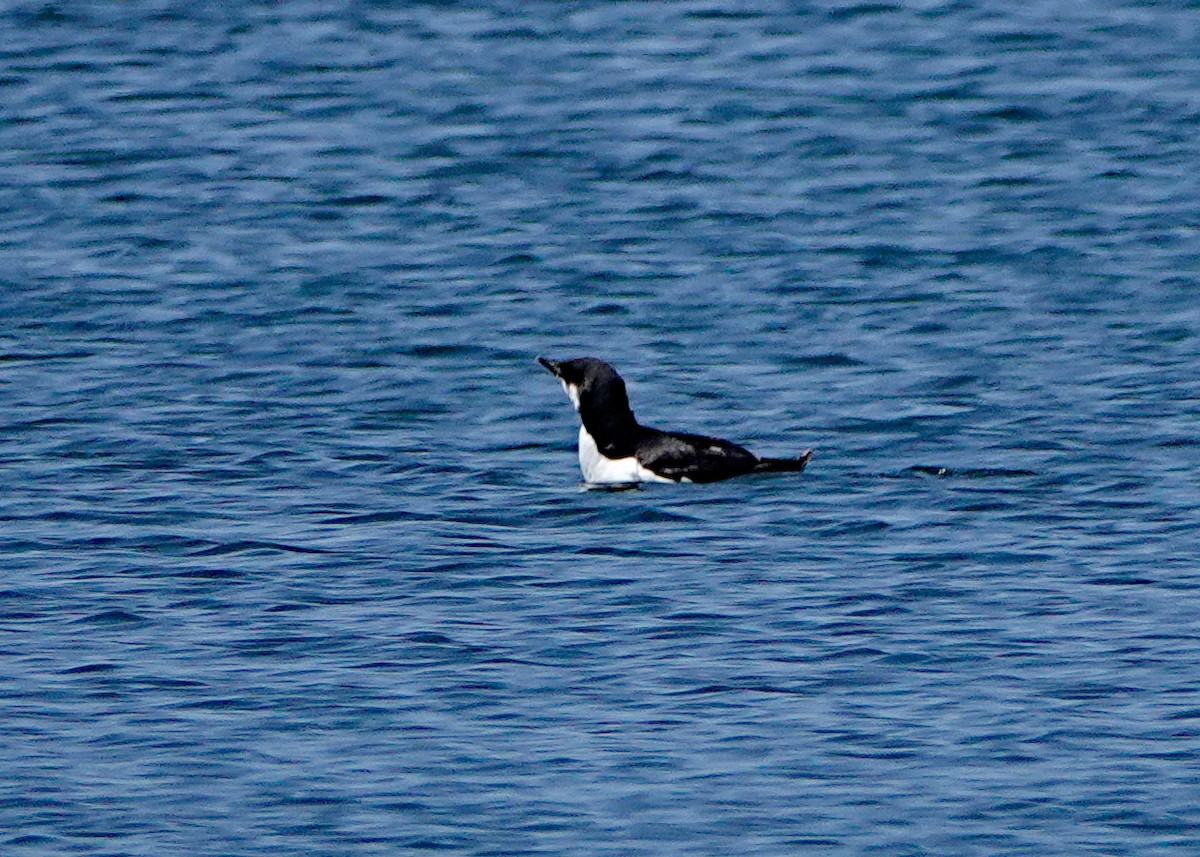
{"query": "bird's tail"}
(783, 465)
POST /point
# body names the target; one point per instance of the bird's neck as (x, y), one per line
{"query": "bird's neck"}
(610, 422)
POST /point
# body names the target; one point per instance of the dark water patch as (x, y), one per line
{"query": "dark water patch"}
(45, 356)
(170, 96)
(811, 842)
(394, 418)
(167, 683)
(518, 260)
(612, 487)
(289, 607)
(282, 646)
(852, 653)
(1020, 40)
(820, 361)
(924, 591)
(649, 514)
(1012, 114)
(969, 472)
(92, 669)
(359, 200)
(934, 559)
(1008, 181)
(881, 610)
(897, 425)
(608, 551)
(983, 506)
(1090, 691)
(713, 14)
(607, 309)
(223, 704)
(35, 840)
(851, 11)
(712, 689)
(255, 548)
(113, 617)
(439, 351)
(429, 638)
(165, 544)
(214, 574)
(370, 518)
(853, 528)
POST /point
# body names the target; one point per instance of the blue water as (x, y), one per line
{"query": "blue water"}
(296, 557)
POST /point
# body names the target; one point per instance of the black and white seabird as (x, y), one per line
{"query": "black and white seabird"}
(614, 448)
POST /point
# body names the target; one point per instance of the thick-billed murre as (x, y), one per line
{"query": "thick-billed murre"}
(614, 448)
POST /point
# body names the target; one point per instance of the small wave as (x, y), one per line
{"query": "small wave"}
(89, 669)
(829, 360)
(969, 472)
(255, 547)
(112, 617)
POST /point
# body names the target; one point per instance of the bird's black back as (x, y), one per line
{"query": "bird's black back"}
(674, 455)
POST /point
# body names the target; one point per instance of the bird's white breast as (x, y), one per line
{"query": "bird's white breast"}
(598, 470)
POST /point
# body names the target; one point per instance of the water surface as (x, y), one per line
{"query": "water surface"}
(296, 555)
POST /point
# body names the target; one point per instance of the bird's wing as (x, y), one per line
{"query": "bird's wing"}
(692, 456)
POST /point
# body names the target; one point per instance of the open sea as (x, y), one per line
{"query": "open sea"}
(296, 557)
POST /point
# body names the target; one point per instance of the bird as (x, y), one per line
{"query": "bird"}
(615, 449)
